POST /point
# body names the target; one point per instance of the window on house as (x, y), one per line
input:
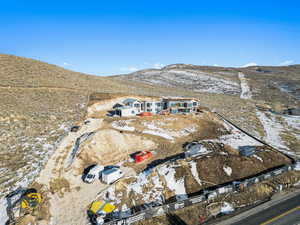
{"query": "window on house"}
(137, 105)
(194, 103)
(149, 104)
(158, 104)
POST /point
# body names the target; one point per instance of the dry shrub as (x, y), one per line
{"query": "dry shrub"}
(59, 186)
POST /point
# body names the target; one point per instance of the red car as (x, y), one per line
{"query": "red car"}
(142, 156)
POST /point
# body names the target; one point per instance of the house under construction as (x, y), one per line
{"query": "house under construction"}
(133, 107)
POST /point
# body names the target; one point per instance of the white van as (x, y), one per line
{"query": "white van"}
(111, 175)
(93, 173)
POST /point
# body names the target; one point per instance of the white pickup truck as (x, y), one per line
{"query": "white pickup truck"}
(107, 174)
(93, 173)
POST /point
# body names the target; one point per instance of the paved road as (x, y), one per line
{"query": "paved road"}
(283, 213)
(282, 209)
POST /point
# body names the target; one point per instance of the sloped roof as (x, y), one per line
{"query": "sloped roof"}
(181, 99)
(129, 100)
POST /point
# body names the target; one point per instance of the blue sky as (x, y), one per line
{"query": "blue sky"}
(113, 37)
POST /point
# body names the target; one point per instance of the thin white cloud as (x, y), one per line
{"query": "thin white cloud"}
(250, 64)
(286, 63)
(158, 65)
(66, 64)
(129, 69)
(217, 65)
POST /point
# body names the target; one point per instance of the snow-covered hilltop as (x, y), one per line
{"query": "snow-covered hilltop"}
(191, 78)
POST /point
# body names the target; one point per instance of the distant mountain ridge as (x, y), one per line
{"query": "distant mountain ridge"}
(224, 80)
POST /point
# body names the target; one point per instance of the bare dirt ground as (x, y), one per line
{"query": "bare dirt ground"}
(66, 195)
(31, 127)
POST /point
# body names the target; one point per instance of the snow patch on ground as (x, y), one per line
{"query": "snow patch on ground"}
(142, 180)
(122, 125)
(154, 129)
(259, 158)
(174, 185)
(137, 186)
(198, 81)
(293, 125)
(194, 171)
(187, 131)
(227, 170)
(292, 121)
(272, 129)
(3, 215)
(246, 92)
(227, 208)
(238, 139)
(158, 133)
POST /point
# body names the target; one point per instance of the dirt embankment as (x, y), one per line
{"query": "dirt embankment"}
(110, 146)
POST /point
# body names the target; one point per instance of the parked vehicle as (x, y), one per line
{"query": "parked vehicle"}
(194, 149)
(247, 150)
(111, 167)
(98, 211)
(142, 114)
(26, 199)
(142, 156)
(93, 173)
(191, 144)
(75, 128)
(111, 175)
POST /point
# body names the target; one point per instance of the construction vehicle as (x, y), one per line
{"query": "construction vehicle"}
(22, 200)
(98, 211)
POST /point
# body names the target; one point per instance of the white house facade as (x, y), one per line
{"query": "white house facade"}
(133, 107)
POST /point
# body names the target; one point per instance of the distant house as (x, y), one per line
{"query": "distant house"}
(181, 105)
(126, 111)
(132, 107)
(133, 103)
(152, 106)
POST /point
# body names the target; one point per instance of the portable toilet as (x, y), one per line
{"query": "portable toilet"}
(111, 175)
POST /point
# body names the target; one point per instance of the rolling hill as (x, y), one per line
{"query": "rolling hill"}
(40, 102)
